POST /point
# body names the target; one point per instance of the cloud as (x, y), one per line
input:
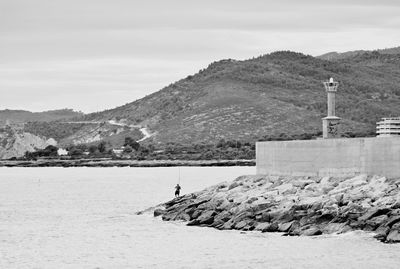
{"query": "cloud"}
(60, 53)
(88, 85)
(73, 15)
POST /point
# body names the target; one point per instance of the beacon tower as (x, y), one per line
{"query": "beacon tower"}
(330, 124)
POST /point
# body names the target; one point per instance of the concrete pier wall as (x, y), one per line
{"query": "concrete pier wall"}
(334, 157)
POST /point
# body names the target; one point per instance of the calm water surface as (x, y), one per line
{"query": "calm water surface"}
(84, 218)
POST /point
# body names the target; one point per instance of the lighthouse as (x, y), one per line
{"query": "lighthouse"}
(330, 124)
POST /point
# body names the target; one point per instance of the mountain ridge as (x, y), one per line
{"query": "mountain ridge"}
(273, 96)
(264, 95)
(332, 56)
(19, 116)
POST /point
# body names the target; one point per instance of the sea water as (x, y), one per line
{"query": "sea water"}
(85, 218)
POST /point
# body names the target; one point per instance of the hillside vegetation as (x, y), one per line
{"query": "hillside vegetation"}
(334, 56)
(223, 109)
(75, 133)
(271, 96)
(22, 116)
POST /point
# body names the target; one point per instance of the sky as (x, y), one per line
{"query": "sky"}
(91, 55)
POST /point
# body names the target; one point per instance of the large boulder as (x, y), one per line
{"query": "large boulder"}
(285, 189)
(396, 226)
(375, 222)
(373, 213)
(285, 227)
(159, 212)
(257, 207)
(207, 217)
(273, 227)
(263, 216)
(220, 219)
(262, 226)
(335, 228)
(240, 225)
(233, 185)
(301, 184)
(311, 231)
(283, 216)
(228, 225)
(382, 232)
(393, 237)
(324, 218)
(392, 220)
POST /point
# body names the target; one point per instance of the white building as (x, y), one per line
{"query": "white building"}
(118, 151)
(62, 152)
(388, 127)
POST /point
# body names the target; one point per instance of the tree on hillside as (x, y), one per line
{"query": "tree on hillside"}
(75, 152)
(50, 151)
(93, 149)
(129, 141)
(102, 147)
(128, 149)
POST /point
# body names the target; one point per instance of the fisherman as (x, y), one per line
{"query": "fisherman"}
(177, 190)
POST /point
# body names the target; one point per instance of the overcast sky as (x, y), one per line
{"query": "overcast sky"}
(90, 55)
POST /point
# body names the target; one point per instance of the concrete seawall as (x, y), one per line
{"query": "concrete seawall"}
(330, 157)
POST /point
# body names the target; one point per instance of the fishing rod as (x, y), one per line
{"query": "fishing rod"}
(179, 175)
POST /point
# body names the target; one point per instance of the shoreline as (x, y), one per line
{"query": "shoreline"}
(293, 205)
(123, 163)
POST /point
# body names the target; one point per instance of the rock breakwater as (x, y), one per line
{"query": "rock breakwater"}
(305, 206)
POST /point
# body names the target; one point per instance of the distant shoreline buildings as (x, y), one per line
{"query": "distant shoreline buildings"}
(388, 127)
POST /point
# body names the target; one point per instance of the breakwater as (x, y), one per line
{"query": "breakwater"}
(294, 205)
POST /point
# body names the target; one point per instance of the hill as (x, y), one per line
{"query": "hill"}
(271, 96)
(22, 116)
(16, 138)
(15, 142)
(334, 56)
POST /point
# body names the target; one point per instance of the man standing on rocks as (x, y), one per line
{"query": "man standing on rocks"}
(177, 190)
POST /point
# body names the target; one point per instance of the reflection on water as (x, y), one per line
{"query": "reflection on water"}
(84, 218)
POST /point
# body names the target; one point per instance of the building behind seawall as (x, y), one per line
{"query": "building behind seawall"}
(388, 127)
(332, 155)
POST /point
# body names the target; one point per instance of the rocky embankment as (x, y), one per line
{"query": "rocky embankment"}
(14, 142)
(294, 205)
